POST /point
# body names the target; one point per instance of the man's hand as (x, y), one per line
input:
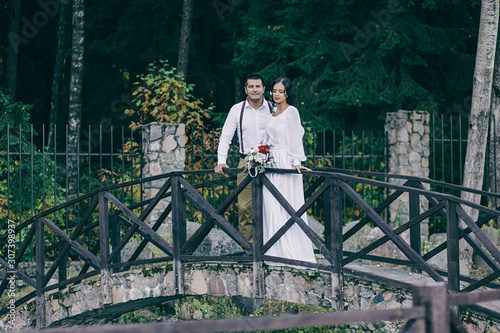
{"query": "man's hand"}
(219, 169)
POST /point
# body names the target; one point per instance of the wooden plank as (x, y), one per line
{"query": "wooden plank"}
(415, 239)
(40, 271)
(452, 230)
(466, 298)
(335, 244)
(386, 228)
(103, 230)
(178, 232)
(434, 299)
(258, 323)
(402, 262)
(257, 230)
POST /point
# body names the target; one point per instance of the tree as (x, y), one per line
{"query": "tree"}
(480, 110)
(494, 155)
(75, 97)
(354, 62)
(62, 36)
(13, 48)
(187, 15)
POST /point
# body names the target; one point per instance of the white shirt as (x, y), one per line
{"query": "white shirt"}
(254, 128)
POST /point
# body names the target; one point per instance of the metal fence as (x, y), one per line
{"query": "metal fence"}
(34, 175)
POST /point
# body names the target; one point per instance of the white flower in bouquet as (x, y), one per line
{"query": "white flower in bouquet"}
(258, 158)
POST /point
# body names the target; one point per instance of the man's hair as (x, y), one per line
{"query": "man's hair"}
(254, 77)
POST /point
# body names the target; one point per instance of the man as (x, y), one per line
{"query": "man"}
(248, 119)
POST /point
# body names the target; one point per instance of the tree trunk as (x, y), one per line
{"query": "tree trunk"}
(62, 37)
(182, 64)
(13, 49)
(238, 84)
(494, 153)
(480, 109)
(75, 95)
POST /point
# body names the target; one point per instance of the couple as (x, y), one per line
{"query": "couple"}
(256, 123)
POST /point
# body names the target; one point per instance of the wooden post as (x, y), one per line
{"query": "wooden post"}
(115, 240)
(435, 299)
(258, 277)
(40, 272)
(415, 241)
(105, 286)
(178, 231)
(333, 237)
(453, 250)
(62, 268)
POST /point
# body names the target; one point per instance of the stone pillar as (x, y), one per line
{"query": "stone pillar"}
(163, 151)
(409, 150)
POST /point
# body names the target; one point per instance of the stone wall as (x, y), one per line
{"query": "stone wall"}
(281, 283)
(409, 151)
(163, 148)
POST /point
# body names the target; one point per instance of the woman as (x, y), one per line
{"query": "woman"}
(284, 134)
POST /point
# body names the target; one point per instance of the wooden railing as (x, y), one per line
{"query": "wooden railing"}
(102, 225)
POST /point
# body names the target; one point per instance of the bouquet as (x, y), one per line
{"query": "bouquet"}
(257, 159)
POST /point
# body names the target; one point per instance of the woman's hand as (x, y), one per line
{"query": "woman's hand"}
(300, 167)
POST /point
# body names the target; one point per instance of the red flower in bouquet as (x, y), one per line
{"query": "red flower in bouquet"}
(264, 149)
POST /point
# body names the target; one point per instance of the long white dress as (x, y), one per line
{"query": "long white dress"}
(285, 132)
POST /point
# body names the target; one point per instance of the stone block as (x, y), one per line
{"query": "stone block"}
(169, 143)
(217, 287)
(198, 283)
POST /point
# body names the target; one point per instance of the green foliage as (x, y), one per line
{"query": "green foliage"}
(18, 165)
(162, 96)
(353, 62)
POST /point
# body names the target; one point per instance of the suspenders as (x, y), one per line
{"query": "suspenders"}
(241, 121)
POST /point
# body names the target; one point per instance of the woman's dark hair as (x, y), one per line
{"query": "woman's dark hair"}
(290, 96)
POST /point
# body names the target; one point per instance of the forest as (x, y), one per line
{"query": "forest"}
(351, 62)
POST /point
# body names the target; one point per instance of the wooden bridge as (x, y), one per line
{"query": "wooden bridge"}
(101, 225)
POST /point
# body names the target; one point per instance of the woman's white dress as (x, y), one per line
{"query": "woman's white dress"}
(285, 132)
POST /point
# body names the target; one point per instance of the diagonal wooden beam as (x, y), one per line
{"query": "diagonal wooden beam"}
(386, 228)
(197, 199)
(67, 246)
(77, 247)
(199, 235)
(293, 215)
(141, 224)
(397, 231)
(479, 234)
